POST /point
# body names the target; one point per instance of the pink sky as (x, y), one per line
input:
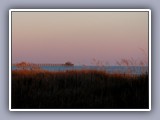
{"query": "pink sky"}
(57, 37)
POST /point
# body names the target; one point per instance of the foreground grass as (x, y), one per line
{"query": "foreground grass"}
(78, 89)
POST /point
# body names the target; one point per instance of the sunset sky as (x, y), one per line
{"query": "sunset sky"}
(78, 37)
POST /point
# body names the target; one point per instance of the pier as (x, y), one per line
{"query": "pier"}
(33, 65)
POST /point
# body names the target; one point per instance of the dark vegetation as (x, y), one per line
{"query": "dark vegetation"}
(78, 89)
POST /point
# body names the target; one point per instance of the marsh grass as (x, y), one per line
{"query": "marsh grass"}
(78, 89)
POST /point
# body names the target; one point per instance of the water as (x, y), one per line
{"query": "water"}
(109, 69)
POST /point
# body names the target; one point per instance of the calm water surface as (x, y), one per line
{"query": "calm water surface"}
(110, 69)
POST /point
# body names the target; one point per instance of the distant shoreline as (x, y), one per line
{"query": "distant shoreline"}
(109, 69)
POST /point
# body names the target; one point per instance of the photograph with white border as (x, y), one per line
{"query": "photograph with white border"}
(79, 59)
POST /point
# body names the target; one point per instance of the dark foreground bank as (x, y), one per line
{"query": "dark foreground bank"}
(78, 89)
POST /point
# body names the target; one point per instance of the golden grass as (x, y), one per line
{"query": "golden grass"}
(78, 89)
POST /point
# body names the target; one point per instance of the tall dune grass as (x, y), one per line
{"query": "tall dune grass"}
(78, 89)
